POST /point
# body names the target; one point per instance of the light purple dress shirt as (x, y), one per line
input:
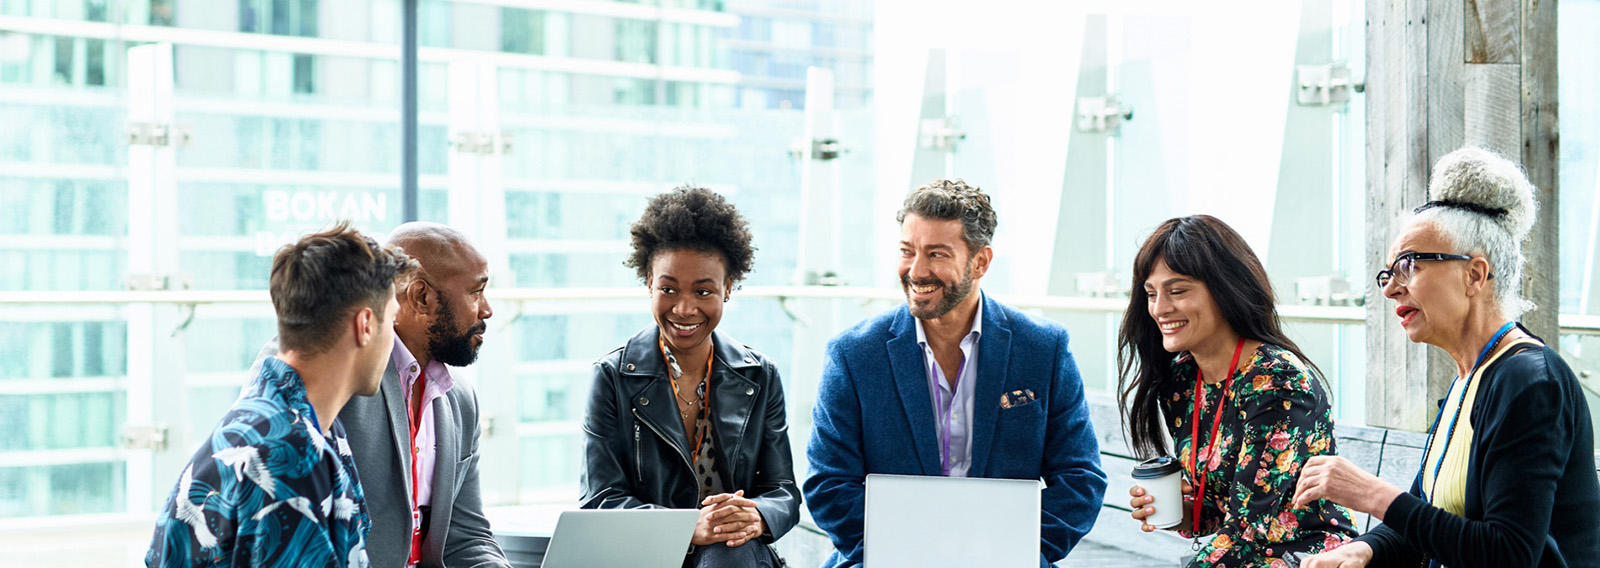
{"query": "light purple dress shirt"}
(952, 407)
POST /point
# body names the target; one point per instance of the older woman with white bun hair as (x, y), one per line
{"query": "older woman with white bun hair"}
(1508, 476)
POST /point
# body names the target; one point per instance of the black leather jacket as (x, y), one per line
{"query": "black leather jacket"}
(634, 442)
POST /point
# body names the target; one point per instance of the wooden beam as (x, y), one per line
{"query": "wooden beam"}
(1493, 31)
(1446, 116)
(1541, 145)
(1493, 107)
(1398, 161)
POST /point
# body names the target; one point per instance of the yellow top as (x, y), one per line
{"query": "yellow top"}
(1449, 491)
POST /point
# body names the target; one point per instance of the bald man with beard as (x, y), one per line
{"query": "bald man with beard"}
(416, 441)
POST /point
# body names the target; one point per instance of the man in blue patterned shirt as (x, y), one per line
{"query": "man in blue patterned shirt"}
(275, 484)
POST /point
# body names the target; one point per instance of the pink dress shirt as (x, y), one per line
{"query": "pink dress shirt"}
(438, 383)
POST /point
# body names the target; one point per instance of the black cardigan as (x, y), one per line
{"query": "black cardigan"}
(1532, 495)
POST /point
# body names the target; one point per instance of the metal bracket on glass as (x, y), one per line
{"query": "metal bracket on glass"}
(148, 282)
(1320, 85)
(1099, 285)
(1102, 114)
(824, 278)
(1324, 291)
(151, 437)
(822, 149)
(155, 134)
(482, 143)
(940, 134)
(787, 304)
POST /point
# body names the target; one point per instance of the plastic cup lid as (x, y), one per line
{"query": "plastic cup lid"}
(1160, 466)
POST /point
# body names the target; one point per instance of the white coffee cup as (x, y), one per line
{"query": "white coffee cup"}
(1162, 478)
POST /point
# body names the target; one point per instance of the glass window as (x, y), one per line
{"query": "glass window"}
(635, 41)
(617, 104)
(522, 31)
(279, 17)
(1578, 56)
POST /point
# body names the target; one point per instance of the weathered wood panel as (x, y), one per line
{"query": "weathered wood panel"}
(1446, 121)
(1541, 145)
(1493, 31)
(1398, 160)
(1494, 107)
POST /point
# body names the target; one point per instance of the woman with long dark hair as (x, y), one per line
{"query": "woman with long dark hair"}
(1202, 355)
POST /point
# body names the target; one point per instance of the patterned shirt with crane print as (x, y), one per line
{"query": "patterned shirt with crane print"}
(266, 488)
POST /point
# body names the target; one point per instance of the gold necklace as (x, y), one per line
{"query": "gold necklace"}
(686, 405)
(675, 372)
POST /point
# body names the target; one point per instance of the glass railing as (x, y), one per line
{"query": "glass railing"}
(69, 389)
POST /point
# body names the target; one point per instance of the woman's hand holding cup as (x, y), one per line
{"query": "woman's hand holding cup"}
(1160, 479)
(1143, 507)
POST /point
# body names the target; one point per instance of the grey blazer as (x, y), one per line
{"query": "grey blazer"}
(458, 534)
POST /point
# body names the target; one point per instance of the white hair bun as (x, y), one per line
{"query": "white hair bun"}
(1487, 180)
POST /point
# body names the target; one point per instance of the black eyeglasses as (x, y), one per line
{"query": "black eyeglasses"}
(1406, 264)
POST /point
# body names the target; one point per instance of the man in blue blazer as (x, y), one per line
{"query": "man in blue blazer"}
(953, 383)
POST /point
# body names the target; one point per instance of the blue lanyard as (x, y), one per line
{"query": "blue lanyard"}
(314, 422)
(1460, 400)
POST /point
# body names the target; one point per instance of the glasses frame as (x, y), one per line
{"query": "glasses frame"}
(1394, 272)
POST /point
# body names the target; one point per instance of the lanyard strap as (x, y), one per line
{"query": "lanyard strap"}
(315, 423)
(1460, 400)
(1216, 428)
(948, 409)
(705, 403)
(414, 420)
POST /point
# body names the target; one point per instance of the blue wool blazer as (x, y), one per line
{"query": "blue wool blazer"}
(874, 415)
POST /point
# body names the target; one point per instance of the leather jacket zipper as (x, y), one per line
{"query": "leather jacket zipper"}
(681, 453)
(638, 466)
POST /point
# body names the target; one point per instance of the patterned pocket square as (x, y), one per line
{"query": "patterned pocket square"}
(1016, 398)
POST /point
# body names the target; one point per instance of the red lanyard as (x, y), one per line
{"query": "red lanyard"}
(705, 404)
(1216, 427)
(415, 422)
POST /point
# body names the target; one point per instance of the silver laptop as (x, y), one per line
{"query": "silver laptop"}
(915, 520)
(640, 538)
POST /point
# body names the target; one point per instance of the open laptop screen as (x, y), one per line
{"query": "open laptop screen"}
(914, 520)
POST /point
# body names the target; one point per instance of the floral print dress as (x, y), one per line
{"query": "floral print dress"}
(1276, 417)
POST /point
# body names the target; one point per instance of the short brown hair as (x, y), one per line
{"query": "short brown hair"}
(321, 279)
(950, 200)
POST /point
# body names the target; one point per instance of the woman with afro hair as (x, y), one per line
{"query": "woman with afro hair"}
(682, 415)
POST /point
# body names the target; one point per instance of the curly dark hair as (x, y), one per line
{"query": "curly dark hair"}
(695, 218)
(949, 200)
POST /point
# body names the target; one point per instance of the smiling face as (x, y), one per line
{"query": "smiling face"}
(937, 271)
(1433, 305)
(1185, 311)
(687, 291)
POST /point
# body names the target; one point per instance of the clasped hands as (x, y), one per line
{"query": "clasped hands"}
(729, 518)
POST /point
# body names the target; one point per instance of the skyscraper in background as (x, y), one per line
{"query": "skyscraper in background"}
(290, 110)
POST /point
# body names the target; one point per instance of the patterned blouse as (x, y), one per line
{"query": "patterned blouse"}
(1277, 417)
(706, 472)
(266, 488)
